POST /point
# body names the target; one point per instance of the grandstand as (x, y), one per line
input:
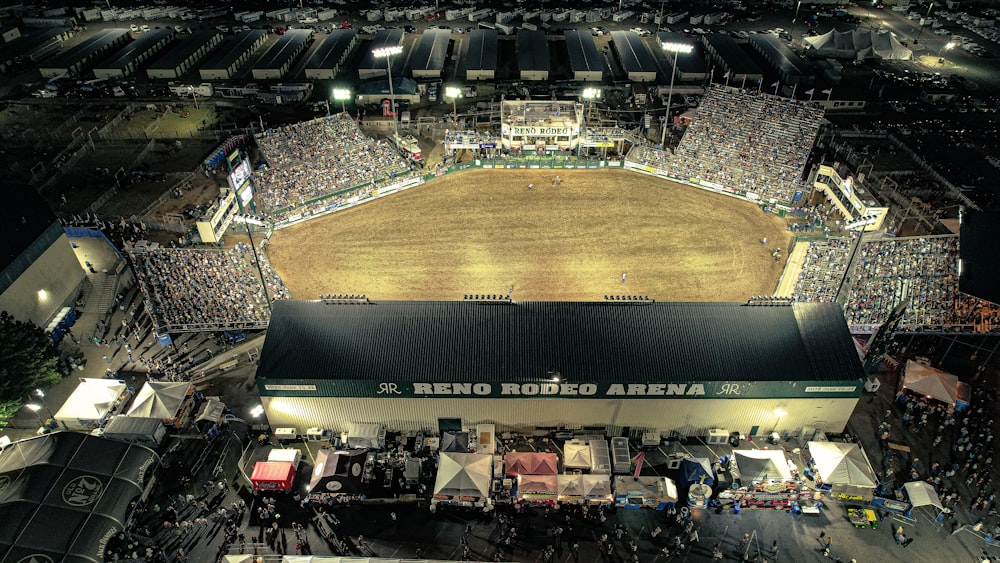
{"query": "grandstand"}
(193, 290)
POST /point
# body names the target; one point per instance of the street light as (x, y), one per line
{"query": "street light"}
(35, 409)
(676, 49)
(257, 411)
(946, 47)
(454, 93)
(591, 94)
(387, 53)
(194, 96)
(342, 95)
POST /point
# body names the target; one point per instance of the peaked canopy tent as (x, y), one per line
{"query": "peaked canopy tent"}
(273, 476)
(844, 468)
(147, 432)
(166, 400)
(576, 456)
(693, 468)
(338, 472)
(455, 442)
(761, 465)
(538, 488)
(64, 494)
(858, 44)
(651, 492)
(92, 402)
(530, 463)
(922, 494)
(936, 384)
(371, 436)
(463, 477)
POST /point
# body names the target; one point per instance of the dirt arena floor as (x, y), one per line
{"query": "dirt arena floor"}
(483, 231)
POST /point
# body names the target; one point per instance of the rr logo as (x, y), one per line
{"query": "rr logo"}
(388, 388)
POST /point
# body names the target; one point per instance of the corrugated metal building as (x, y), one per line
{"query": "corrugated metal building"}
(724, 51)
(585, 62)
(374, 67)
(323, 63)
(532, 55)
(791, 68)
(228, 60)
(690, 66)
(34, 46)
(657, 366)
(279, 58)
(178, 60)
(78, 58)
(127, 59)
(481, 60)
(634, 57)
(428, 58)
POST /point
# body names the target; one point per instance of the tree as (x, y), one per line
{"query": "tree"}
(29, 362)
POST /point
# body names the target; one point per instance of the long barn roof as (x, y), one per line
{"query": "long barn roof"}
(600, 342)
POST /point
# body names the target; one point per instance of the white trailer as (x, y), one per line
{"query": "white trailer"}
(676, 17)
(153, 13)
(276, 14)
(506, 29)
(622, 15)
(392, 15)
(530, 15)
(109, 15)
(544, 16)
(560, 16)
(205, 89)
(593, 16)
(504, 17)
(91, 15)
(326, 15)
(576, 16)
(479, 15)
(695, 20)
(715, 17)
(454, 14)
(531, 26)
(251, 17)
(374, 15)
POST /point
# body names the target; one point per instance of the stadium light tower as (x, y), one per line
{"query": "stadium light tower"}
(388, 53)
(946, 47)
(342, 95)
(676, 49)
(453, 92)
(590, 94)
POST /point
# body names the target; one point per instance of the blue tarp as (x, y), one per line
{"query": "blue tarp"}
(692, 469)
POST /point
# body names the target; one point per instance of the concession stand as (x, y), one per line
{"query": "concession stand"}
(935, 384)
(537, 489)
(273, 476)
(576, 455)
(167, 400)
(645, 491)
(337, 473)
(530, 463)
(463, 479)
(843, 469)
(699, 477)
(762, 480)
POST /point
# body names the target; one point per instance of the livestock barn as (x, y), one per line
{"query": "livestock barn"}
(753, 367)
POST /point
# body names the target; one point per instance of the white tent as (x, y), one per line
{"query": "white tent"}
(858, 44)
(935, 384)
(576, 455)
(597, 486)
(570, 485)
(160, 399)
(759, 465)
(371, 436)
(90, 403)
(464, 475)
(842, 464)
(922, 494)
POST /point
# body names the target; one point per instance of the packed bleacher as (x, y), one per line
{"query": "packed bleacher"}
(313, 159)
(923, 270)
(195, 289)
(744, 140)
(823, 269)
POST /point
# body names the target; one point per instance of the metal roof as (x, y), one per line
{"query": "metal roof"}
(979, 255)
(286, 48)
(28, 43)
(777, 53)
(688, 63)
(431, 50)
(632, 52)
(329, 52)
(26, 218)
(482, 50)
(532, 50)
(234, 49)
(583, 55)
(85, 48)
(384, 38)
(144, 44)
(600, 342)
(184, 49)
(738, 61)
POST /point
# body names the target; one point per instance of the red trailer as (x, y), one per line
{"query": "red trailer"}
(273, 476)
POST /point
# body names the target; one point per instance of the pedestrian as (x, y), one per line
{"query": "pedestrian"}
(531, 186)
(774, 548)
(743, 541)
(763, 241)
(393, 516)
(624, 276)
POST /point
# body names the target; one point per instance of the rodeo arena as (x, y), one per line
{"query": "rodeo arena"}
(625, 429)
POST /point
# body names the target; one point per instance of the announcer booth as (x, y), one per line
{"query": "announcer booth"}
(273, 476)
(540, 126)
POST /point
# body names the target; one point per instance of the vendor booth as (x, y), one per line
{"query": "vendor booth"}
(576, 455)
(337, 473)
(531, 463)
(365, 436)
(92, 403)
(762, 480)
(697, 475)
(166, 400)
(646, 491)
(922, 494)
(935, 384)
(293, 455)
(463, 479)
(844, 470)
(542, 489)
(273, 476)
(580, 489)
(455, 442)
(147, 432)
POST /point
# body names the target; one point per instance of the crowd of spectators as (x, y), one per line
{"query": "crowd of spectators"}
(744, 140)
(923, 270)
(309, 160)
(823, 269)
(190, 289)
